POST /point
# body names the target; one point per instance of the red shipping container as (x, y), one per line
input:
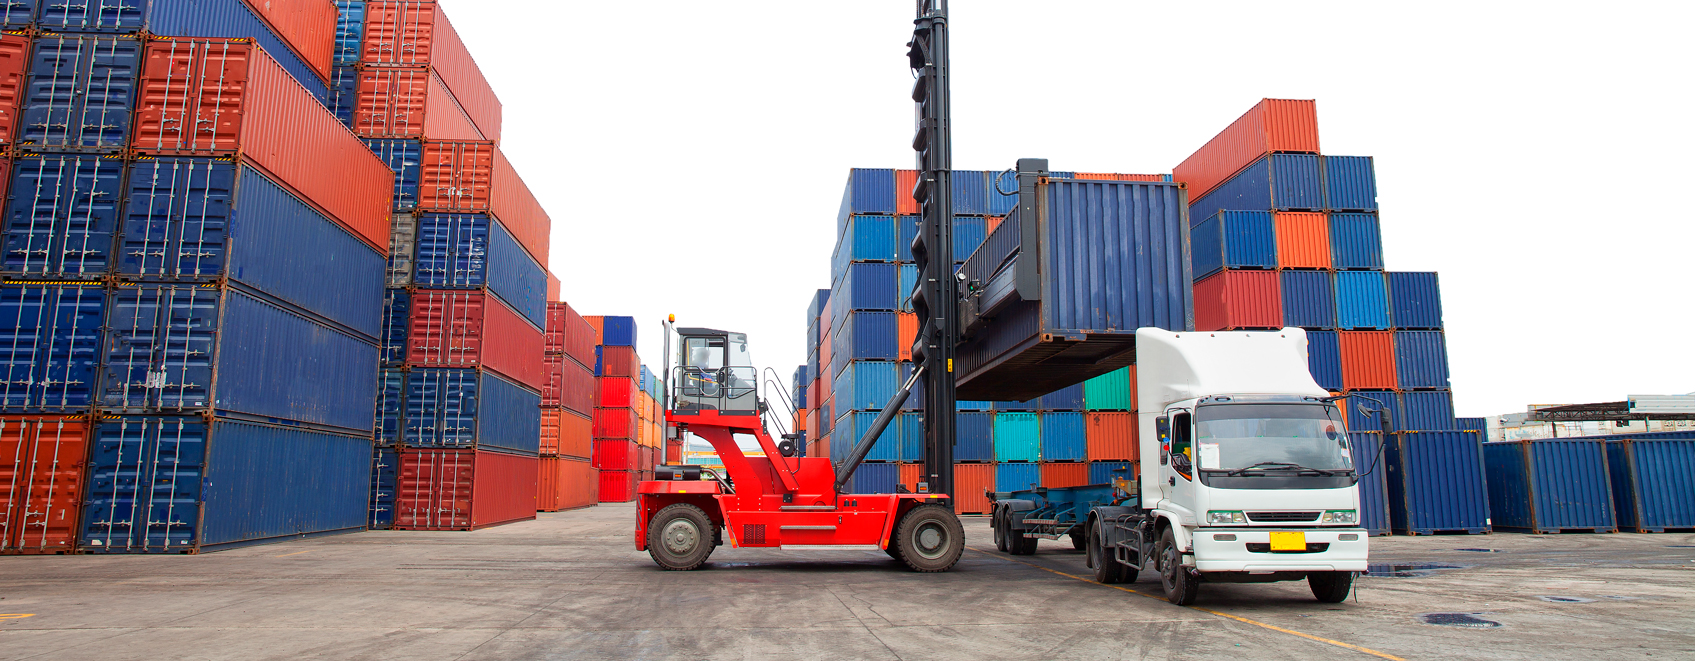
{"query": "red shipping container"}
(41, 482)
(969, 483)
(618, 486)
(616, 455)
(615, 423)
(576, 435)
(577, 388)
(674, 453)
(226, 97)
(1272, 125)
(989, 226)
(453, 176)
(408, 103)
(1303, 239)
(1368, 359)
(550, 389)
(1111, 437)
(553, 288)
(564, 483)
(14, 65)
(307, 28)
(619, 361)
(581, 338)
(410, 33)
(615, 392)
(644, 458)
(554, 334)
(910, 474)
(1064, 475)
(548, 444)
(813, 393)
(461, 328)
(512, 203)
(905, 181)
(906, 333)
(463, 489)
(1231, 300)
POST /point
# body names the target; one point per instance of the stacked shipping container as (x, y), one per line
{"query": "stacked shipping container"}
(568, 480)
(626, 443)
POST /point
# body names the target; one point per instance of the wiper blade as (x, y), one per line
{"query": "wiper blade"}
(1266, 465)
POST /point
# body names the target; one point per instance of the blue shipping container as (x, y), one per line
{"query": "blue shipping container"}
(1016, 407)
(1362, 300)
(850, 429)
(1018, 437)
(618, 331)
(1428, 410)
(912, 436)
(968, 233)
(183, 484)
(468, 408)
(1234, 239)
(1421, 359)
(864, 286)
(17, 14)
(1276, 182)
(50, 338)
(80, 93)
(1550, 486)
(1069, 398)
(865, 386)
(1359, 421)
(974, 439)
(397, 315)
(403, 156)
(343, 94)
(179, 224)
(868, 191)
(1104, 472)
(1373, 483)
(1062, 437)
(385, 475)
(1653, 481)
(908, 282)
(865, 335)
(1415, 300)
(866, 239)
(971, 192)
(875, 478)
(1309, 298)
(391, 408)
(349, 31)
(466, 250)
(1436, 483)
(1001, 204)
(1356, 241)
(182, 348)
(1324, 359)
(1350, 183)
(62, 214)
(1017, 476)
(1471, 424)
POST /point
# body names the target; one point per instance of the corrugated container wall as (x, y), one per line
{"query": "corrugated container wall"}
(1653, 482)
(409, 33)
(1436, 483)
(1272, 125)
(1550, 485)
(41, 482)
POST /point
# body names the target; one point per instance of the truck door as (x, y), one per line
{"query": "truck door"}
(1177, 460)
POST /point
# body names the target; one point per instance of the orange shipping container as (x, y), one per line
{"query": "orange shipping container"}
(906, 332)
(970, 481)
(307, 28)
(909, 476)
(1368, 359)
(1065, 475)
(454, 175)
(1272, 125)
(905, 181)
(41, 480)
(511, 201)
(14, 63)
(1303, 240)
(410, 33)
(1111, 437)
(565, 484)
(226, 97)
(988, 228)
(408, 103)
(576, 435)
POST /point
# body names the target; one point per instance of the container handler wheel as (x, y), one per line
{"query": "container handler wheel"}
(893, 549)
(930, 538)
(1181, 587)
(1331, 587)
(679, 537)
(1108, 569)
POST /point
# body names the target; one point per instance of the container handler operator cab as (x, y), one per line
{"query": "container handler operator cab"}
(769, 498)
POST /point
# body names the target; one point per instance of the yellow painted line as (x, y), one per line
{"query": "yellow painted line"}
(1237, 618)
(294, 553)
(15, 616)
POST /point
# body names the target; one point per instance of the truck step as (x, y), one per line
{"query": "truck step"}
(808, 508)
(826, 528)
(831, 547)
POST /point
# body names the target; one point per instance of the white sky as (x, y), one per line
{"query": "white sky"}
(692, 154)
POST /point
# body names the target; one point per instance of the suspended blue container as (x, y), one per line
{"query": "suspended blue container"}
(1018, 437)
(1069, 398)
(1235, 240)
(1105, 472)
(1350, 183)
(1653, 481)
(971, 192)
(851, 427)
(974, 439)
(467, 251)
(1428, 410)
(1017, 476)
(875, 478)
(1356, 242)
(391, 408)
(1309, 298)
(349, 31)
(1362, 300)
(1275, 182)
(1436, 483)
(1373, 399)
(62, 214)
(1324, 359)
(1063, 437)
(50, 346)
(204, 219)
(1550, 485)
(868, 191)
(385, 477)
(865, 386)
(80, 93)
(1421, 360)
(176, 484)
(471, 409)
(1373, 483)
(397, 315)
(1416, 300)
(403, 156)
(968, 233)
(1016, 407)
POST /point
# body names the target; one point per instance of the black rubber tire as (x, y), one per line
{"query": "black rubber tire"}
(1331, 587)
(998, 522)
(1181, 587)
(689, 545)
(930, 537)
(1108, 570)
(1079, 542)
(1018, 544)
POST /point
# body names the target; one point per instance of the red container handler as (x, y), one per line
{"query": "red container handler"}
(565, 483)
(618, 486)
(307, 27)
(463, 489)
(1233, 300)
(226, 97)
(413, 34)
(468, 328)
(1272, 125)
(42, 471)
(408, 103)
(14, 69)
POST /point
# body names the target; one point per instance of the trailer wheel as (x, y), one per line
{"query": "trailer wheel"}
(1331, 587)
(1108, 569)
(679, 537)
(1181, 587)
(997, 521)
(931, 538)
(1017, 543)
(1078, 541)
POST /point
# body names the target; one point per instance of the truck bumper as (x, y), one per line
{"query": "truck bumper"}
(1344, 549)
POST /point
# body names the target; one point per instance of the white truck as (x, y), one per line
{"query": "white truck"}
(1245, 475)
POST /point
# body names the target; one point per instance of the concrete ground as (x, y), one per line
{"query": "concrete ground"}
(570, 585)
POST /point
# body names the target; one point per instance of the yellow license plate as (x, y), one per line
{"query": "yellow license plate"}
(1288, 541)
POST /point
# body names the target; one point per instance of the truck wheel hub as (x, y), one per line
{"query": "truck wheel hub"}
(931, 541)
(680, 537)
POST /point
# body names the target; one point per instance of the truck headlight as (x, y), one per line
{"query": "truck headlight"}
(1340, 516)
(1226, 517)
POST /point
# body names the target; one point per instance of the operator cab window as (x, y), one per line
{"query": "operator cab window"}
(705, 353)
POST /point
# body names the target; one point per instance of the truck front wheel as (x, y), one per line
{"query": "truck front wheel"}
(1181, 587)
(680, 536)
(1331, 587)
(1107, 567)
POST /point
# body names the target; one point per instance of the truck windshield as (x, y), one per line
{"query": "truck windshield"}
(1270, 438)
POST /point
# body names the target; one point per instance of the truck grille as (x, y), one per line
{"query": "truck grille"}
(1312, 547)
(1283, 517)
